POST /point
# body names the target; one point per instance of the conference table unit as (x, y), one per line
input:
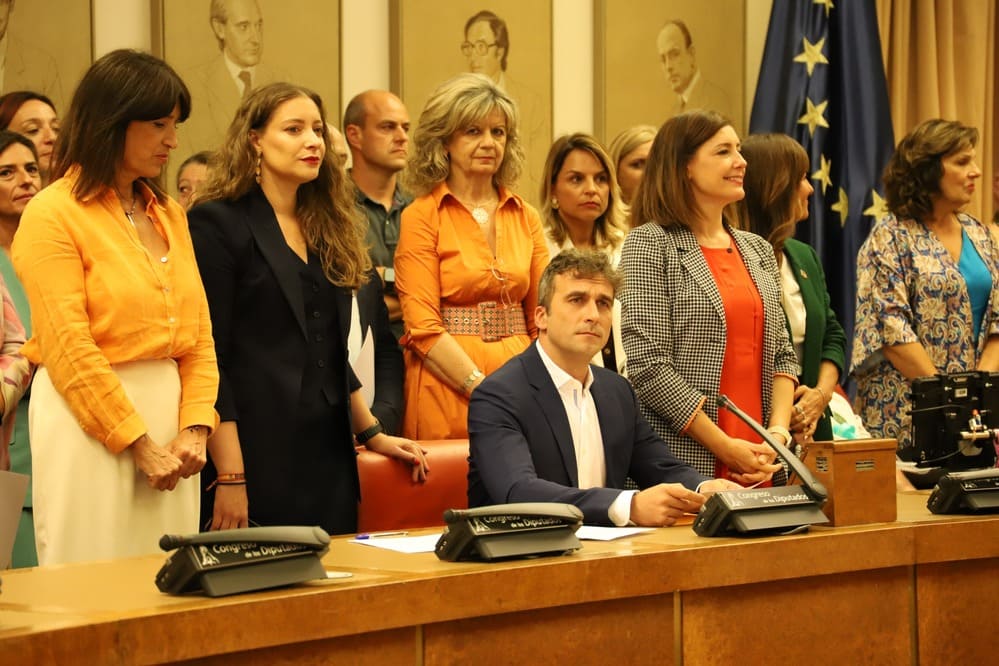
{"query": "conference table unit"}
(918, 590)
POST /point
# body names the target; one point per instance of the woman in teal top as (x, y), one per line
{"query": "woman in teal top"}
(927, 281)
(20, 180)
(777, 193)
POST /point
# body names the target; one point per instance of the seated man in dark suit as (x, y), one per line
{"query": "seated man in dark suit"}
(549, 427)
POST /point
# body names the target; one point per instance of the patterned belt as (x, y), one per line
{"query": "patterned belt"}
(490, 320)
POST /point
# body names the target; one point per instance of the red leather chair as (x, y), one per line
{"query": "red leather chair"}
(391, 501)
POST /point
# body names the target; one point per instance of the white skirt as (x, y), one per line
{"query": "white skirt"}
(91, 504)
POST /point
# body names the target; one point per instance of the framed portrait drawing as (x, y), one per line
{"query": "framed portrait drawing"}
(224, 48)
(656, 58)
(507, 40)
(47, 47)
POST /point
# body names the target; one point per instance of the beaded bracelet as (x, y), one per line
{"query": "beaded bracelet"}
(234, 479)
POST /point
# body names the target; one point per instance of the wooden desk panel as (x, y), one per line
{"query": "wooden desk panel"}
(853, 618)
(640, 631)
(956, 622)
(416, 609)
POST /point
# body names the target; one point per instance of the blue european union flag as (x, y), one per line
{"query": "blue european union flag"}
(822, 82)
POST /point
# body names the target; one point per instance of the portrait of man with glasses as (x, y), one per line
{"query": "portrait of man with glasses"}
(487, 48)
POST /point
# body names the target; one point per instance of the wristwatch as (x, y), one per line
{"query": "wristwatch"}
(471, 379)
(369, 432)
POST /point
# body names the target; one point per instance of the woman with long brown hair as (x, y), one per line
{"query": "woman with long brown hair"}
(701, 311)
(280, 247)
(777, 192)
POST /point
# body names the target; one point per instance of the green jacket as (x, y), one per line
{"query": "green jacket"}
(825, 339)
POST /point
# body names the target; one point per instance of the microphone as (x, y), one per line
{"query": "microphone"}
(812, 487)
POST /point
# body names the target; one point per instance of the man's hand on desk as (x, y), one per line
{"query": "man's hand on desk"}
(662, 505)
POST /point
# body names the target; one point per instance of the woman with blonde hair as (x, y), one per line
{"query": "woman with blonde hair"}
(580, 209)
(629, 151)
(280, 247)
(777, 192)
(470, 253)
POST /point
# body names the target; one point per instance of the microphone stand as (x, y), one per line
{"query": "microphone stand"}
(812, 486)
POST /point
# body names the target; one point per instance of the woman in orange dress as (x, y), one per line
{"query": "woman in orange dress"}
(470, 254)
(701, 313)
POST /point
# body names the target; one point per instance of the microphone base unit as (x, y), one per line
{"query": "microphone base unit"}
(758, 512)
(975, 491)
(235, 561)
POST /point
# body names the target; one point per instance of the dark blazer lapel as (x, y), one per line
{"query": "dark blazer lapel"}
(264, 226)
(552, 408)
(344, 297)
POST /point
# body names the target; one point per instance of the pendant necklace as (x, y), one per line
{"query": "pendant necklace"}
(131, 211)
(480, 214)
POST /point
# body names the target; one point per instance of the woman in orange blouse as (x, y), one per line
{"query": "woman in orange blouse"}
(470, 254)
(123, 398)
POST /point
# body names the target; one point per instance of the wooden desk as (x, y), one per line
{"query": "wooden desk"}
(917, 590)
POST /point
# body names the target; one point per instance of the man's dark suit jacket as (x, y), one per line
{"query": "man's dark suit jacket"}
(521, 446)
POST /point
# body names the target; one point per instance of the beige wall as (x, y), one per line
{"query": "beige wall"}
(365, 48)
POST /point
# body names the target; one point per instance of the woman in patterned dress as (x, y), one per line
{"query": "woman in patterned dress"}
(926, 279)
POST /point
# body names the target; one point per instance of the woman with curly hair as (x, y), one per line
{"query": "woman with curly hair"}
(629, 151)
(927, 298)
(280, 247)
(470, 253)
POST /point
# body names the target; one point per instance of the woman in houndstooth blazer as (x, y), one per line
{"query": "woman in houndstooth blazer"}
(701, 311)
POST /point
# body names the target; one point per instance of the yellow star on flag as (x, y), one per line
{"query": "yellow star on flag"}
(812, 55)
(827, 3)
(878, 207)
(822, 175)
(842, 207)
(813, 116)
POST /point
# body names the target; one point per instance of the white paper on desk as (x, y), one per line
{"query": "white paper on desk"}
(415, 544)
(597, 533)
(13, 490)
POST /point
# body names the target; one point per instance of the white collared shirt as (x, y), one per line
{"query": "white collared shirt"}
(794, 306)
(685, 95)
(587, 440)
(234, 72)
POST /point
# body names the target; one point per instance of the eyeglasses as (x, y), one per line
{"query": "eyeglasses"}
(480, 47)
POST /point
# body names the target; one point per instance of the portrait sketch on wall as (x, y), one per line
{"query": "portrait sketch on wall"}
(225, 48)
(661, 57)
(45, 47)
(509, 41)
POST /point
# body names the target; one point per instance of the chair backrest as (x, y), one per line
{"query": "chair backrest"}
(391, 501)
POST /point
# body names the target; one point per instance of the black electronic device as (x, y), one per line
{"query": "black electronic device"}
(233, 561)
(976, 491)
(506, 531)
(764, 511)
(954, 420)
